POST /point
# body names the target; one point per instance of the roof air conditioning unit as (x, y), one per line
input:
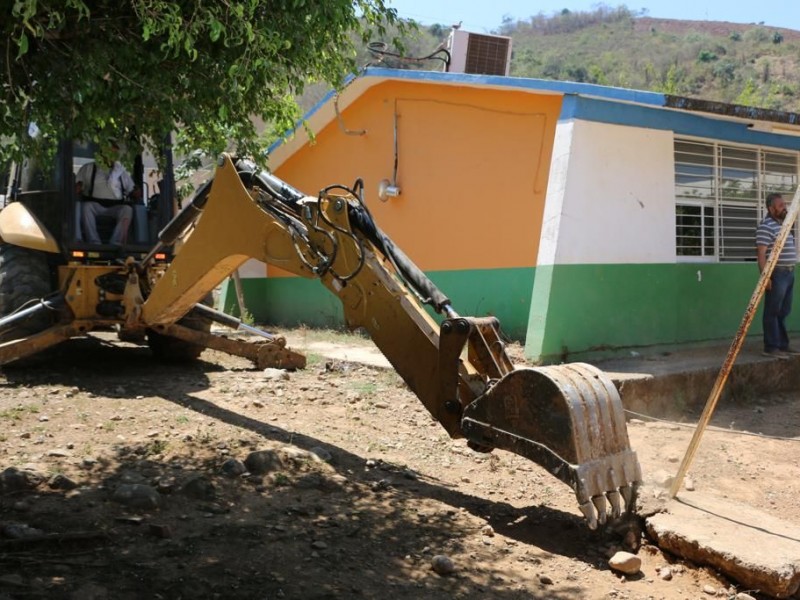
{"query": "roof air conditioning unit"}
(479, 54)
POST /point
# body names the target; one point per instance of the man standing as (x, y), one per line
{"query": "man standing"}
(778, 298)
(103, 186)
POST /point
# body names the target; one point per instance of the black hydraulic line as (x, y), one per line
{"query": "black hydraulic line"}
(361, 219)
(274, 186)
(179, 223)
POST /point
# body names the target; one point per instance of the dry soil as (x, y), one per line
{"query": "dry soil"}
(123, 480)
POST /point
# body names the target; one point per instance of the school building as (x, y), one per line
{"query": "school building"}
(590, 220)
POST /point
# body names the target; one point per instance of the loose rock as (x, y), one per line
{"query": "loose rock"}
(298, 455)
(442, 565)
(322, 453)
(137, 496)
(233, 468)
(199, 487)
(16, 480)
(261, 462)
(276, 374)
(61, 482)
(625, 562)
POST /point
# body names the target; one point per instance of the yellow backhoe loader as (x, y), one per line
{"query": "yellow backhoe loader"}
(55, 283)
(567, 418)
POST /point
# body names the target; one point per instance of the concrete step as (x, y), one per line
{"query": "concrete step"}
(674, 383)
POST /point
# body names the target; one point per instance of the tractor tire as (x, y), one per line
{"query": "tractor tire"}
(170, 349)
(24, 277)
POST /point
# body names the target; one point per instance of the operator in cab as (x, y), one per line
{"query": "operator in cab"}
(104, 188)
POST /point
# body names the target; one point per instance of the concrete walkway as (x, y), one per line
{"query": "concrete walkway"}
(660, 385)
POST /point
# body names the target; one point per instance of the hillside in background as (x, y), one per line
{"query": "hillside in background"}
(752, 65)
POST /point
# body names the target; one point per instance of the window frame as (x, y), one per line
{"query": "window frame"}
(718, 200)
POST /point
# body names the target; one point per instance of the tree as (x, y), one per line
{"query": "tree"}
(104, 68)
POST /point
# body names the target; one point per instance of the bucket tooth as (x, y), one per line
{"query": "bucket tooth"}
(570, 420)
(615, 501)
(590, 514)
(629, 494)
(602, 509)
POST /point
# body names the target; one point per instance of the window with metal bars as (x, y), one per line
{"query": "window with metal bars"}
(719, 192)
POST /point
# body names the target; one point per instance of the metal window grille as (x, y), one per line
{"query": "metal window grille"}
(719, 191)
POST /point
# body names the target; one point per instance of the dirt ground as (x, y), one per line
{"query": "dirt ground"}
(129, 485)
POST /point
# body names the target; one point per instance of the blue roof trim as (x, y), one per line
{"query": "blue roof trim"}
(682, 123)
(525, 84)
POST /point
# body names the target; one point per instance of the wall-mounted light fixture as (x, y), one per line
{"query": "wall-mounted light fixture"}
(386, 188)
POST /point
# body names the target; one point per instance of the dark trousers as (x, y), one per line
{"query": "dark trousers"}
(777, 306)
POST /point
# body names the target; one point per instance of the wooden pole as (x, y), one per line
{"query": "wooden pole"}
(237, 285)
(736, 345)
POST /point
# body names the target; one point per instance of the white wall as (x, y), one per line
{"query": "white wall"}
(252, 268)
(610, 196)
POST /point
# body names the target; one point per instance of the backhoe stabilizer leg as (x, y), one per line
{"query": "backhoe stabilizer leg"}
(568, 419)
(264, 353)
(33, 344)
(52, 305)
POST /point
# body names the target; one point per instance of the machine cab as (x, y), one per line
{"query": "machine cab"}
(49, 192)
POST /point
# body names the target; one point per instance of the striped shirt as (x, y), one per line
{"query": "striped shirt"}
(767, 233)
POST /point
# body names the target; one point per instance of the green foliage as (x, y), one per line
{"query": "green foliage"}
(749, 96)
(111, 67)
(757, 35)
(674, 82)
(706, 56)
(725, 71)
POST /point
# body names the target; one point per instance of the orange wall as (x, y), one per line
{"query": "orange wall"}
(473, 168)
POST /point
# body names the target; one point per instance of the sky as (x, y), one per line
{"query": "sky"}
(483, 16)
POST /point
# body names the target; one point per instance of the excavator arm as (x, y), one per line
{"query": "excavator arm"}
(567, 418)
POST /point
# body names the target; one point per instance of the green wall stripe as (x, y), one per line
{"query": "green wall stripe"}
(567, 312)
(584, 311)
(503, 293)
(285, 301)
(292, 301)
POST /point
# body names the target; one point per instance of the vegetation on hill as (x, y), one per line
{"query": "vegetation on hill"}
(752, 65)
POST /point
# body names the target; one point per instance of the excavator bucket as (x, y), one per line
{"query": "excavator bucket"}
(570, 420)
